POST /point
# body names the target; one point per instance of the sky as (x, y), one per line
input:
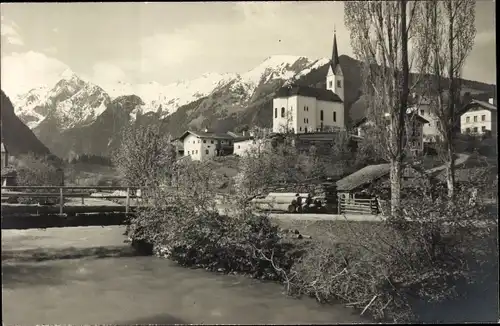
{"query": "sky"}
(169, 42)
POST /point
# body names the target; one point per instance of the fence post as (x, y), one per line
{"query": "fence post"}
(61, 201)
(128, 200)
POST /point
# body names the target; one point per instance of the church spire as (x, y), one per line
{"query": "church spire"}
(335, 54)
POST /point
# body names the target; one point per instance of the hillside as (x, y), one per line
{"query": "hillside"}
(16, 136)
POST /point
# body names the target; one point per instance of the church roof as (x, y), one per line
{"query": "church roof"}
(318, 93)
(335, 54)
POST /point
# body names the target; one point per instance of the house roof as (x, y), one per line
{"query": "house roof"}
(362, 177)
(203, 134)
(483, 104)
(359, 122)
(243, 138)
(318, 93)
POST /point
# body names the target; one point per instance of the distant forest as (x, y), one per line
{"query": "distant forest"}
(90, 159)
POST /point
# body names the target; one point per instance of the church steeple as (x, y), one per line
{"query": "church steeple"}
(335, 53)
(334, 77)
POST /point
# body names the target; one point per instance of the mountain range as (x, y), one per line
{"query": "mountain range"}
(76, 116)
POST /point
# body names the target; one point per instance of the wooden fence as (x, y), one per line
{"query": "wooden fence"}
(65, 192)
(358, 206)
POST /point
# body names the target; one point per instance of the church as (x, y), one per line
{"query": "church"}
(302, 109)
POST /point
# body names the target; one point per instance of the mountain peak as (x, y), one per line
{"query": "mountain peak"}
(68, 74)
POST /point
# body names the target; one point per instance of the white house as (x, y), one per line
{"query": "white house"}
(200, 145)
(479, 118)
(301, 109)
(244, 144)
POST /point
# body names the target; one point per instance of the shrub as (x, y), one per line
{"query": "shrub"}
(37, 171)
(435, 255)
(186, 227)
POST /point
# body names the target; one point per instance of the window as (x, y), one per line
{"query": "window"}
(483, 118)
(275, 112)
(198, 141)
(282, 112)
(475, 129)
(188, 152)
(334, 116)
(421, 112)
(339, 84)
(204, 141)
(300, 128)
(305, 129)
(321, 115)
(194, 142)
(305, 108)
(475, 118)
(321, 126)
(304, 120)
(238, 146)
(330, 84)
(212, 141)
(467, 119)
(483, 128)
(206, 151)
(230, 142)
(467, 130)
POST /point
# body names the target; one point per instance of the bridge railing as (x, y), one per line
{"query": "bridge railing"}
(62, 192)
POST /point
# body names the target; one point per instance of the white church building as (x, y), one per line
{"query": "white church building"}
(302, 109)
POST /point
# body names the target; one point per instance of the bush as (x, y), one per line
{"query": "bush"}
(34, 171)
(37, 171)
(436, 255)
(186, 227)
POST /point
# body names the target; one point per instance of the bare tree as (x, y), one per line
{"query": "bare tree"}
(380, 36)
(446, 34)
(145, 156)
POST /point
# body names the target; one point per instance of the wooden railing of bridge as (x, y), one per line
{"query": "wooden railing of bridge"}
(61, 193)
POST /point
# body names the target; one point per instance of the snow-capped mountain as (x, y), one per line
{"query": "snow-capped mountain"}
(74, 101)
(279, 67)
(168, 98)
(77, 116)
(70, 102)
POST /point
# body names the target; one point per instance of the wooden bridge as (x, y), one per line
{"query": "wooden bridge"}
(48, 206)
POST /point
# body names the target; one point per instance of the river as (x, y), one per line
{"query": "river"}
(87, 275)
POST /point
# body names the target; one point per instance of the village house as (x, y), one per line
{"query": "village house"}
(301, 109)
(367, 189)
(480, 118)
(200, 145)
(245, 144)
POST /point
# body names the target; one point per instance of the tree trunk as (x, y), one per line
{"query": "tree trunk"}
(450, 173)
(395, 175)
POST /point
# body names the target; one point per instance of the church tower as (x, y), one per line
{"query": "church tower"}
(334, 77)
